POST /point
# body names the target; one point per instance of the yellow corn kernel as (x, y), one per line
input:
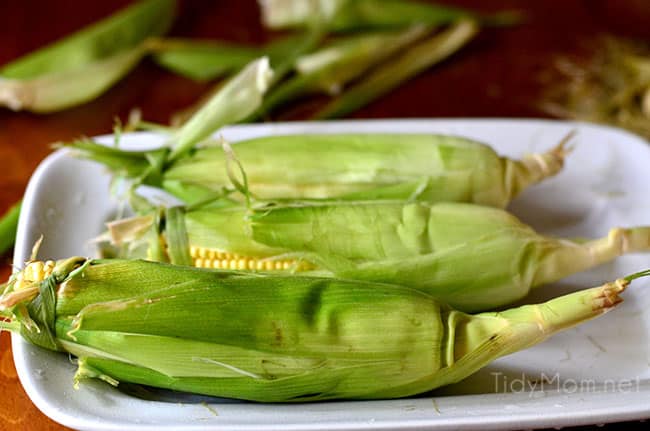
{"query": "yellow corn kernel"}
(219, 259)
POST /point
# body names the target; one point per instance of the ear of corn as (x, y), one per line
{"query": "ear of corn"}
(419, 245)
(81, 66)
(276, 338)
(421, 167)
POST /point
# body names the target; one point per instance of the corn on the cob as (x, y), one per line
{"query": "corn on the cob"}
(424, 246)
(424, 167)
(272, 339)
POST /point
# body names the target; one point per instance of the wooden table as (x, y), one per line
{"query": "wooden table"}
(501, 74)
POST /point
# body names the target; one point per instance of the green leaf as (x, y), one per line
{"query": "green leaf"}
(177, 241)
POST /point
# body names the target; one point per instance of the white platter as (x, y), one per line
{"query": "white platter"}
(598, 372)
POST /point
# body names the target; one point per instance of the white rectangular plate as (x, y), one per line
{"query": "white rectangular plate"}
(598, 372)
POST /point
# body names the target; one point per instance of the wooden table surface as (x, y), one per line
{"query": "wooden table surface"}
(500, 74)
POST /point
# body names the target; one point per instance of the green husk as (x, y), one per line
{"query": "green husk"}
(276, 339)
(8, 227)
(178, 247)
(236, 100)
(81, 66)
(204, 60)
(283, 55)
(331, 67)
(409, 64)
(346, 15)
(420, 167)
(420, 245)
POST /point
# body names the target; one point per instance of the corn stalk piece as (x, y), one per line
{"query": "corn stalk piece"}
(270, 339)
(80, 67)
(345, 166)
(423, 246)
